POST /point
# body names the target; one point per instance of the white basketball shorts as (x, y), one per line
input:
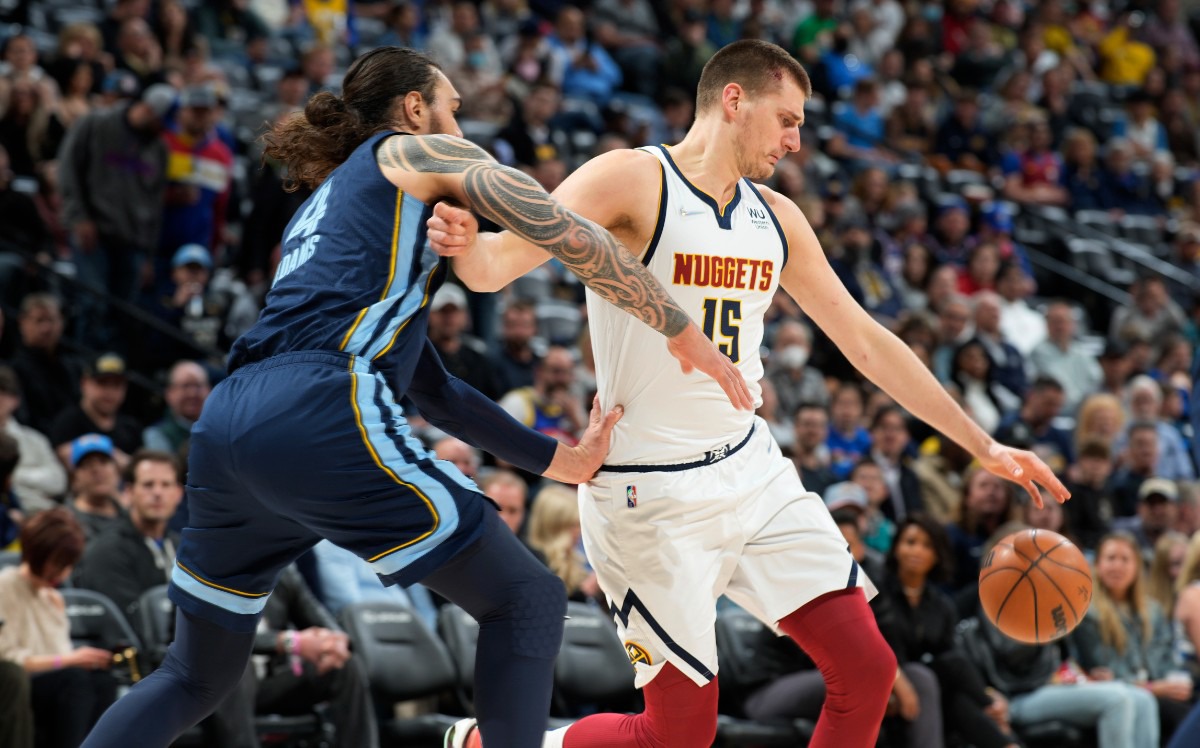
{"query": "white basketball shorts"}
(666, 543)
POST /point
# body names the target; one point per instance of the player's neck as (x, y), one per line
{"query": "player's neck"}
(706, 157)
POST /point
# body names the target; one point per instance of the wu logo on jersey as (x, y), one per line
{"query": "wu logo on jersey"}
(305, 229)
(631, 497)
(758, 217)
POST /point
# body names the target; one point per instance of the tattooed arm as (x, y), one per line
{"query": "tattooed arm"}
(517, 202)
(441, 166)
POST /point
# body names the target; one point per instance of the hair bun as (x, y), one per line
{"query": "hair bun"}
(325, 110)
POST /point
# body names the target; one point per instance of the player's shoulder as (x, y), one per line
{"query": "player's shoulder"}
(613, 186)
(784, 208)
(630, 162)
(769, 196)
(422, 150)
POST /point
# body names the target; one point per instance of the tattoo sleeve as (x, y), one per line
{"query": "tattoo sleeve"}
(514, 200)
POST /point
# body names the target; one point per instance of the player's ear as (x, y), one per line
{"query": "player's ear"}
(413, 110)
(732, 97)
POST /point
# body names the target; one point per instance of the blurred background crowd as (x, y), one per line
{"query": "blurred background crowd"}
(1012, 187)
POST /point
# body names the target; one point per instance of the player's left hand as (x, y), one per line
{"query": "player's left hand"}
(1025, 469)
(578, 464)
(451, 230)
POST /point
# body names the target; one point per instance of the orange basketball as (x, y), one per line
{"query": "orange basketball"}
(1035, 586)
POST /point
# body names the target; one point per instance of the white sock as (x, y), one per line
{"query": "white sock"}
(555, 738)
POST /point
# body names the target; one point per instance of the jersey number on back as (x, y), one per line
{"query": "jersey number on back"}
(725, 314)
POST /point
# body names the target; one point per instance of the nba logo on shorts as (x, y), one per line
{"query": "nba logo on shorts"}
(631, 497)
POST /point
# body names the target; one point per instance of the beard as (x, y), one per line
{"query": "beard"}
(755, 169)
(441, 125)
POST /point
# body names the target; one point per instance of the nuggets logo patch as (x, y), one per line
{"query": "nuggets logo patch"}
(637, 653)
(631, 496)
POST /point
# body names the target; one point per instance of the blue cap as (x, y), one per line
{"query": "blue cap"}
(952, 203)
(90, 444)
(999, 219)
(190, 254)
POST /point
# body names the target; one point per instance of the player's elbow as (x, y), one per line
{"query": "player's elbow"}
(480, 282)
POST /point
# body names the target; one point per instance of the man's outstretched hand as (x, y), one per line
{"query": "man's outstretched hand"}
(1025, 469)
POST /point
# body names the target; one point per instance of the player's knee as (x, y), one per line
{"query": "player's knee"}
(538, 608)
(870, 664)
(883, 672)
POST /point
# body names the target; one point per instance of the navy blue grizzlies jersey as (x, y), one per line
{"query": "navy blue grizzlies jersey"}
(350, 280)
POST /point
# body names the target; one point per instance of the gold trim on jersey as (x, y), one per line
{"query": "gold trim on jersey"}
(690, 183)
(395, 245)
(391, 270)
(400, 329)
(216, 586)
(362, 430)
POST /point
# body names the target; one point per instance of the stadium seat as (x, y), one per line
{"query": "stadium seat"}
(738, 633)
(460, 634)
(97, 622)
(535, 285)
(1096, 259)
(1100, 220)
(154, 621)
(559, 321)
(957, 179)
(404, 661)
(1145, 230)
(592, 666)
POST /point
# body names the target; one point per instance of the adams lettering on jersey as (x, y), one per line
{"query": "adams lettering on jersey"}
(712, 271)
(304, 230)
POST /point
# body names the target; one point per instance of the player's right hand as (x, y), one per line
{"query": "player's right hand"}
(695, 351)
(1025, 469)
(451, 230)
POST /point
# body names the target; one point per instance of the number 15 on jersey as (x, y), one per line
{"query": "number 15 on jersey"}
(722, 316)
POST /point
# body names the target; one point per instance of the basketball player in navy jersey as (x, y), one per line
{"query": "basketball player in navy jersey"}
(695, 495)
(305, 439)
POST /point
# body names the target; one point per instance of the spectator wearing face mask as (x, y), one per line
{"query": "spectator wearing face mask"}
(788, 368)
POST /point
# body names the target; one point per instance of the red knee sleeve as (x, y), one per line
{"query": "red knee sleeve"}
(679, 714)
(838, 631)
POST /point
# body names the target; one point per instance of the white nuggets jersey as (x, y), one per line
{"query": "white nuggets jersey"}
(722, 266)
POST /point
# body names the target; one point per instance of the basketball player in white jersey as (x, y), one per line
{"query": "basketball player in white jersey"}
(694, 499)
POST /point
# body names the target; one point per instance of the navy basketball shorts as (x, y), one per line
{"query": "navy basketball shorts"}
(304, 446)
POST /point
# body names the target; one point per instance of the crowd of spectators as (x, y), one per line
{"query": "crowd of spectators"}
(129, 163)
